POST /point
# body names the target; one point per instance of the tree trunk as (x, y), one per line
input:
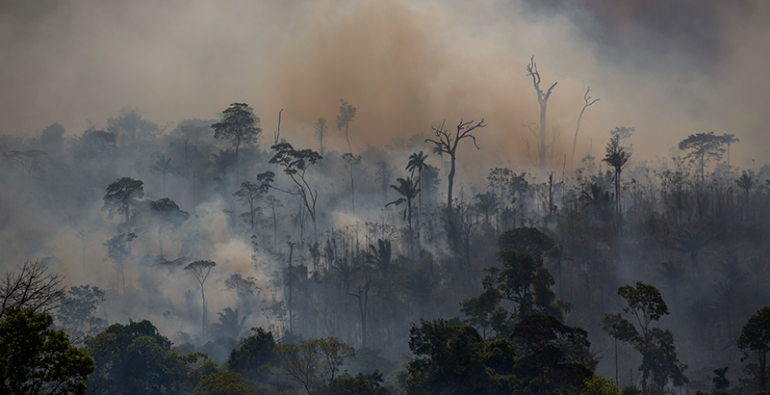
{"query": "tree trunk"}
(450, 179)
(352, 190)
(237, 164)
(203, 319)
(350, 150)
(543, 148)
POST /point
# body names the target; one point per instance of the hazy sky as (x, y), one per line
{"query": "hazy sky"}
(668, 68)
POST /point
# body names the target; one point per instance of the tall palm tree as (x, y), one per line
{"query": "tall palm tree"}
(163, 166)
(746, 182)
(692, 242)
(380, 255)
(408, 190)
(417, 163)
(616, 157)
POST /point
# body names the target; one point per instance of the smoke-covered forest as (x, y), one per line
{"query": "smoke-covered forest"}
(388, 229)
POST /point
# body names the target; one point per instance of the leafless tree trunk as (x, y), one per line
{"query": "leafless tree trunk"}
(588, 103)
(542, 99)
(363, 300)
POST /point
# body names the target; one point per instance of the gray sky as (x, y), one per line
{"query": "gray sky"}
(668, 68)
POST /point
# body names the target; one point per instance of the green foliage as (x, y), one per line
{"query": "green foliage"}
(618, 327)
(168, 212)
(598, 385)
(644, 302)
(255, 352)
(361, 384)
(229, 324)
(524, 280)
(294, 161)
(755, 337)
(369, 360)
(76, 314)
(122, 197)
(37, 359)
(313, 362)
(544, 340)
(239, 124)
(455, 359)
(446, 357)
(659, 360)
(526, 240)
(136, 359)
(223, 383)
(720, 380)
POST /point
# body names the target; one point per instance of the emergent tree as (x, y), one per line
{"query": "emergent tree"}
(239, 124)
(446, 143)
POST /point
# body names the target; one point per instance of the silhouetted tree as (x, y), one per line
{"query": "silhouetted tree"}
(230, 324)
(446, 143)
(616, 157)
(254, 353)
(417, 163)
(239, 124)
(703, 148)
(35, 358)
(755, 337)
(163, 166)
(249, 194)
(347, 113)
(351, 161)
(729, 139)
(408, 190)
(659, 359)
(273, 203)
(312, 363)
(320, 130)
(588, 103)
(118, 250)
(746, 182)
(619, 329)
(720, 381)
(167, 213)
(295, 163)
(31, 288)
(363, 303)
(201, 271)
(122, 197)
(542, 100)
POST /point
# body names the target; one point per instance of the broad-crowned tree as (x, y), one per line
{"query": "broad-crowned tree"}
(240, 125)
(136, 359)
(122, 197)
(295, 164)
(35, 358)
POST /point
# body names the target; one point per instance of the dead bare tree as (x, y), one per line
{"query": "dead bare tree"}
(277, 133)
(588, 103)
(363, 301)
(31, 288)
(446, 143)
(542, 99)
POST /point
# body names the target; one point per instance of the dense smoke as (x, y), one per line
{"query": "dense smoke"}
(156, 76)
